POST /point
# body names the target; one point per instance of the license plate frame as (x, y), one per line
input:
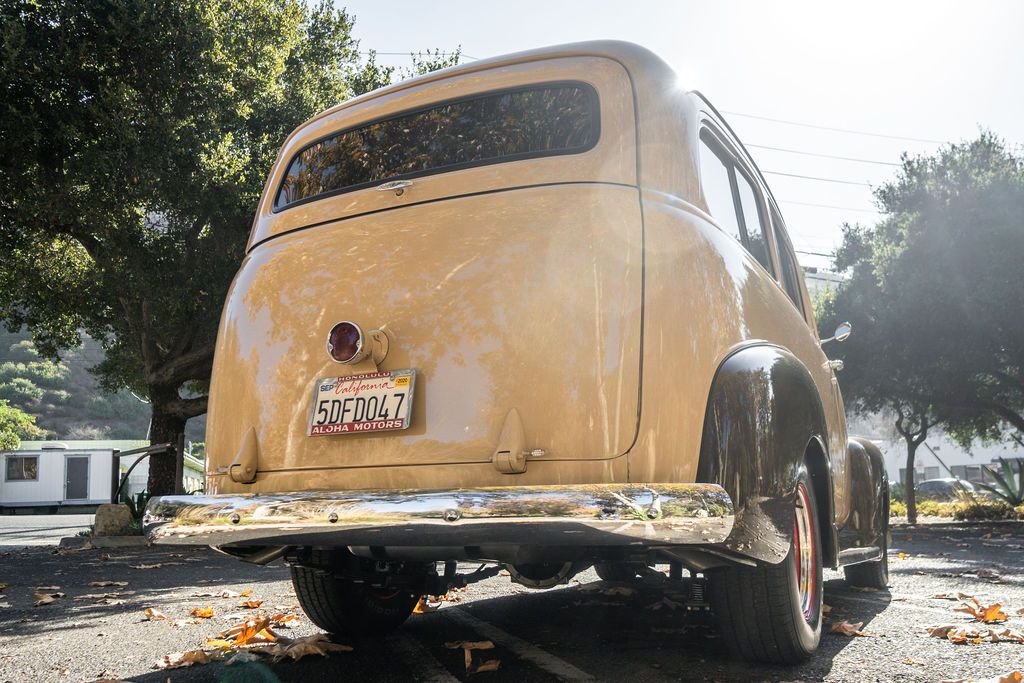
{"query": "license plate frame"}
(358, 396)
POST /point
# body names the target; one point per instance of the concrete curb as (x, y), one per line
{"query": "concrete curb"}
(103, 542)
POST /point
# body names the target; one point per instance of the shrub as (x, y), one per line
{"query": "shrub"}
(935, 508)
(1008, 486)
(897, 509)
(983, 509)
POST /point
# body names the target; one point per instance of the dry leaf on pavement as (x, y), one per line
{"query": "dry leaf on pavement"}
(1012, 677)
(298, 648)
(245, 593)
(847, 629)
(468, 646)
(989, 614)
(180, 659)
(145, 566)
(425, 604)
(250, 631)
(902, 556)
(2, 586)
(251, 604)
(105, 584)
(47, 589)
(218, 594)
(202, 612)
(152, 614)
(46, 598)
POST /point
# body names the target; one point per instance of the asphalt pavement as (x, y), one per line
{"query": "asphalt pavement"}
(22, 530)
(586, 630)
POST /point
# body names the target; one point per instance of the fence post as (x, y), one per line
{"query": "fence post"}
(115, 474)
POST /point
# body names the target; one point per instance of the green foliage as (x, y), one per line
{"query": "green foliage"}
(16, 425)
(942, 273)
(135, 141)
(136, 505)
(1008, 486)
(63, 396)
(983, 509)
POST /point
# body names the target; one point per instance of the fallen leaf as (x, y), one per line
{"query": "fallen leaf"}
(825, 608)
(46, 598)
(100, 596)
(146, 566)
(250, 631)
(202, 612)
(245, 593)
(282, 619)
(109, 601)
(105, 584)
(218, 644)
(845, 628)
(218, 594)
(152, 614)
(47, 589)
(468, 646)
(912, 662)
(179, 659)
(298, 648)
(903, 556)
(2, 586)
(251, 604)
(987, 613)
(425, 605)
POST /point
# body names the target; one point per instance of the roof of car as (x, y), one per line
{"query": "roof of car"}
(636, 59)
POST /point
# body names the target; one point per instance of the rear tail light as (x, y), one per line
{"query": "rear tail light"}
(346, 343)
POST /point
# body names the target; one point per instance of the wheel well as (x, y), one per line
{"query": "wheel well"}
(818, 470)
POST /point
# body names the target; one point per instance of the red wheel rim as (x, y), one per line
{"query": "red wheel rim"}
(805, 549)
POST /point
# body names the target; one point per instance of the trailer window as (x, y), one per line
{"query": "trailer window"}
(535, 121)
(22, 468)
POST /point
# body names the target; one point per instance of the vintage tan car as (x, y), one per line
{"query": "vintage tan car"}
(538, 311)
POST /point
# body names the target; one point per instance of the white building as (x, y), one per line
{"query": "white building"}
(62, 474)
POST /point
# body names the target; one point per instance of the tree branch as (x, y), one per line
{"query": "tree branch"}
(195, 364)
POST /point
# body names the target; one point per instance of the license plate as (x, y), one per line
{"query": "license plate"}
(374, 402)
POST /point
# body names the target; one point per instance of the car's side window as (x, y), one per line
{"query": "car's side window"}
(732, 200)
(716, 180)
(757, 235)
(790, 277)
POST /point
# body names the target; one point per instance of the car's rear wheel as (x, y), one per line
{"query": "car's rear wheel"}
(874, 574)
(772, 613)
(348, 608)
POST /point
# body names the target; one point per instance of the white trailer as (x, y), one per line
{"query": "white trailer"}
(55, 475)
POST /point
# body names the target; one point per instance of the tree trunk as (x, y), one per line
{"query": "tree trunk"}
(909, 483)
(165, 428)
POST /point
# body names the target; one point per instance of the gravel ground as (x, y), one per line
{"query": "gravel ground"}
(575, 632)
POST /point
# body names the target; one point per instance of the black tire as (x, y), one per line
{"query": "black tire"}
(346, 608)
(760, 611)
(874, 574)
(615, 571)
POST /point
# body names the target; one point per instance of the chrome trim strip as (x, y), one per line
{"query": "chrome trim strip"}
(604, 514)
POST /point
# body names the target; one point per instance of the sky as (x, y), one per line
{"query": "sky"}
(934, 72)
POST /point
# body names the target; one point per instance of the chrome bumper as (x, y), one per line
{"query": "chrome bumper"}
(607, 514)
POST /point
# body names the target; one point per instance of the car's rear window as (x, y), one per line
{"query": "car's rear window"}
(534, 121)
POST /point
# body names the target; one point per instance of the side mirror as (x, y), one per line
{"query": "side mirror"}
(842, 333)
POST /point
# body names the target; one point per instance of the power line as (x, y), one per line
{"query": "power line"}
(825, 156)
(828, 206)
(814, 177)
(814, 253)
(837, 130)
